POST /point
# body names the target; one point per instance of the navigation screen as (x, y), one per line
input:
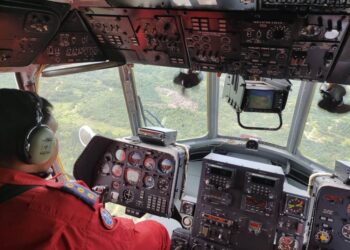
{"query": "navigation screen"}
(263, 181)
(260, 99)
(220, 172)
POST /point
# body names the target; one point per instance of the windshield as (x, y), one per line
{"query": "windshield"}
(166, 104)
(228, 125)
(8, 80)
(327, 135)
(94, 99)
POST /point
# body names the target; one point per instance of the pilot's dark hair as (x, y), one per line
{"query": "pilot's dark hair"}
(18, 114)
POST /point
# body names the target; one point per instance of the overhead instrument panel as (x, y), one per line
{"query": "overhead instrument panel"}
(26, 31)
(140, 176)
(305, 5)
(265, 44)
(142, 36)
(73, 43)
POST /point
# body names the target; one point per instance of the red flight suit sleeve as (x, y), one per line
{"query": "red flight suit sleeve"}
(146, 235)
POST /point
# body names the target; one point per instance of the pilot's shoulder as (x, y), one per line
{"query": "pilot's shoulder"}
(80, 191)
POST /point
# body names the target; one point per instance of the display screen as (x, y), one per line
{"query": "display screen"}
(221, 172)
(263, 181)
(256, 202)
(259, 99)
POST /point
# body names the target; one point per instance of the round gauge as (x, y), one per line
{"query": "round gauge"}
(117, 170)
(163, 184)
(148, 181)
(149, 163)
(115, 185)
(166, 166)
(323, 237)
(205, 39)
(128, 195)
(108, 156)
(187, 221)
(132, 176)
(279, 32)
(187, 208)
(114, 196)
(195, 38)
(135, 158)
(346, 231)
(295, 206)
(225, 39)
(120, 155)
(310, 31)
(206, 46)
(287, 242)
(252, 144)
(105, 168)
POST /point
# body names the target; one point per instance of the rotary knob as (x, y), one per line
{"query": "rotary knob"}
(323, 237)
(279, 32)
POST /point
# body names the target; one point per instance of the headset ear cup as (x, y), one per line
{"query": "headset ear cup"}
(41, 145)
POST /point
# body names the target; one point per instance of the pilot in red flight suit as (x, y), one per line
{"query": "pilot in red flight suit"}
(36, 213)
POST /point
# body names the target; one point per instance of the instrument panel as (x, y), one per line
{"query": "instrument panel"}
(267, 41)
(237, 200)
(241, 205)
(142, 177)
(27, 31)
(330, 221)
(73, 43)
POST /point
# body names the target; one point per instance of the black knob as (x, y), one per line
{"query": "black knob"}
(339, 25)
(320, 21)
(329, 25)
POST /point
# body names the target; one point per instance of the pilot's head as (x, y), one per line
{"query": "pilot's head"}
(27, 131)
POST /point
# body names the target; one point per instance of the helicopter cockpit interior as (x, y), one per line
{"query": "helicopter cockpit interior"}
(225, 120)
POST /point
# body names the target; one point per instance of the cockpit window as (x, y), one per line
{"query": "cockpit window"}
(228, 125)
(94, 99)
(326, 135)
(166, 104)
(8, 80)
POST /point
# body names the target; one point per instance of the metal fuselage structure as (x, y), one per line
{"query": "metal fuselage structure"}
(236, 196)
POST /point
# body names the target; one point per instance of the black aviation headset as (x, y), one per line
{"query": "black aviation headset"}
(40, 141)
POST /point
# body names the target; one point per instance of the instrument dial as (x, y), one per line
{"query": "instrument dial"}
(323, 237)
(346, 231)
(295, 206)
(187, 221)
(148, 181)
(149, 163)
(128, 195)
(287, 243)
(166, 166)
(120, 155)
(310, 31)
(105, 169)
(135, 158)
(278, 32)
(132, 176)
(163, 184)
(117, 170)
(187, 208)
